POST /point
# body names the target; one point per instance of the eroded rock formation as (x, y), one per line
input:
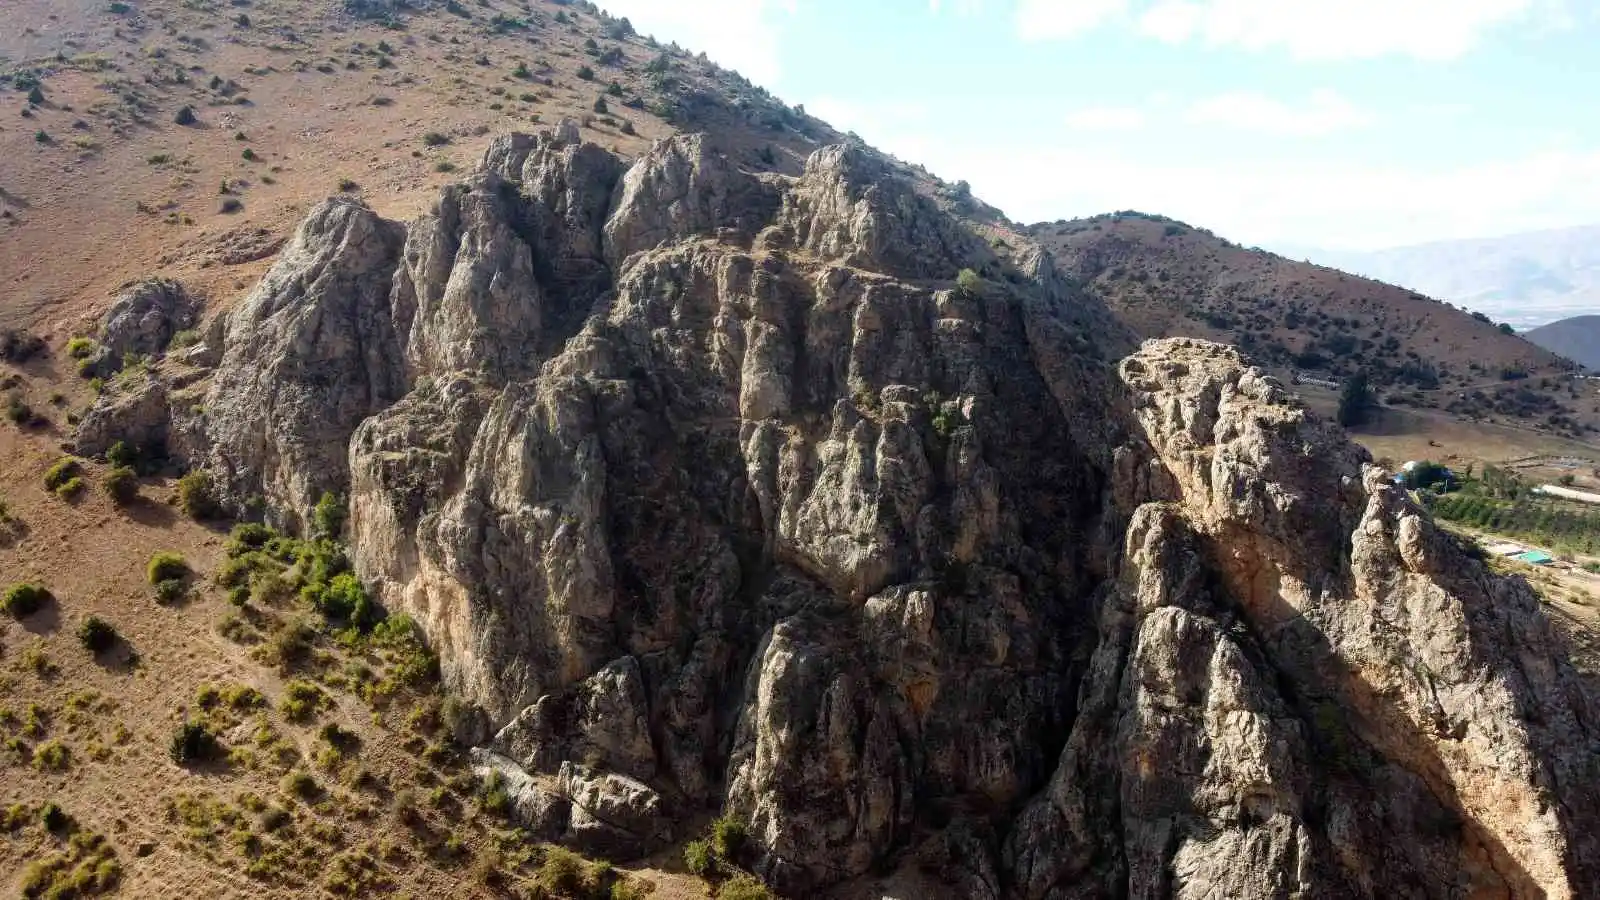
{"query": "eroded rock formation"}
(714, 491)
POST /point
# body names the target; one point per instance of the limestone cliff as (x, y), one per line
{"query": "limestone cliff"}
(716, 490)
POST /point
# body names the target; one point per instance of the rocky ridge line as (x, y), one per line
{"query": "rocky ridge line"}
(714, 490)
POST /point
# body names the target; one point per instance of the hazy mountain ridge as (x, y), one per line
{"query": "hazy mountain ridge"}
(1527, 279)
(1577, 338)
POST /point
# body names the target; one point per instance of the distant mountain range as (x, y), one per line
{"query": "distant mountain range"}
(1578, 339)
(1528, 279)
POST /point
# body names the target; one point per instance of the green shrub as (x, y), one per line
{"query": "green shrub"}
(585, 73)
(171, 590)
(697, 858)
(302, 785)
(328, 518)
(97, 635)
(71, 488)
(345, 600)
(301, 700)
(52, 756)
(563, 872)
(81, 347)
(54, 818)
(743, 887)
(122, 485)
(166, 566)
(493, 797)
(970, 283)
(435, 139)
(121, 454)
(193, 742)
(64, 471)
(727, 837)
(23, 600)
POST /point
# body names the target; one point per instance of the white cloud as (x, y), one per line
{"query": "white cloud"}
(1044, 20)
(1329, 202)
(1106, 118)
(1334, 29)
(743, 35)
(1324, 113)
(1305, 29)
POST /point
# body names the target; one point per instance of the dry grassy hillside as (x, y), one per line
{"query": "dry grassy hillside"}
(1166, 278)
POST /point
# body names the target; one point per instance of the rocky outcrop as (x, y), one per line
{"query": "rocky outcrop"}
(717, 491)
(309, 354)
(1297, 667)
(684, 187)
(140, 324)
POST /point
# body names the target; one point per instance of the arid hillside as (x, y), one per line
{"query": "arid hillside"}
(1166, 278)
(753, 499)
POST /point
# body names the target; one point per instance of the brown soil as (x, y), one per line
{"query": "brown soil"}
(1169, 279)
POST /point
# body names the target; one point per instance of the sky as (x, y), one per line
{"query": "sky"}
(1287, 124)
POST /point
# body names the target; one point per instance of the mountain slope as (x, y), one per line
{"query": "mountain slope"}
(1526, 279)
(741, 473)
(1165, 278)
(720, 491)
(1577, 339)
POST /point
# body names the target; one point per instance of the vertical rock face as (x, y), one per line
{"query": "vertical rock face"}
(309, 353)
(714, 491)
(1296, 669)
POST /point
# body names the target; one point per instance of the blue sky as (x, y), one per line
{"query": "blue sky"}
(1341, 124)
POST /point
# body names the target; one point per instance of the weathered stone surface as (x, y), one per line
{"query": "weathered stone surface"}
(612, 815)
(140, 324)
(538, 808)
(1297, 668)
(681, 188)
(138, 412)
(308, 355)
(715, 492)
(602, 721)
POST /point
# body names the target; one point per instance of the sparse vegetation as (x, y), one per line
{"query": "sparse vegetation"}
(23, 600)
(122, 485)
(193, 742)
(301, 700)
(97, 635)
(64, 477)
(85, 866)
(166, 566)
(743, 887)
(197, 497)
